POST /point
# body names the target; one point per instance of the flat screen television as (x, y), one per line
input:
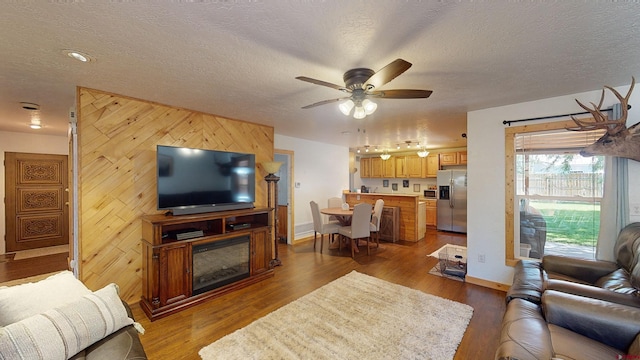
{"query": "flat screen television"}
(192, 181)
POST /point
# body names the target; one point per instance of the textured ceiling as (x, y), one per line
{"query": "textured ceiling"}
(239, 59)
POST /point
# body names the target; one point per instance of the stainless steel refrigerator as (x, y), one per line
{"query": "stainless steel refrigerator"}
(452, 200)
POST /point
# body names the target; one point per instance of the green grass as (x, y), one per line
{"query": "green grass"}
(570, 222)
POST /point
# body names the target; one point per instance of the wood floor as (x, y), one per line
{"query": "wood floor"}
(182, 335)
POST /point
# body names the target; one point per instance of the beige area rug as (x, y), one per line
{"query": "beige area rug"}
(354, 317)
(27, 254)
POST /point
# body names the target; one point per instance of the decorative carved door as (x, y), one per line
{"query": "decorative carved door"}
(36, 204)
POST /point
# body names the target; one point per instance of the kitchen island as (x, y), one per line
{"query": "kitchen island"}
(411, 222)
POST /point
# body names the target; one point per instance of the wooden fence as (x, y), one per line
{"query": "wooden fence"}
(564, 185)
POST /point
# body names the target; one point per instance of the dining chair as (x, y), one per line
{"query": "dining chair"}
(359, 228)
(374, 226)
(320, 226)
(334, 202)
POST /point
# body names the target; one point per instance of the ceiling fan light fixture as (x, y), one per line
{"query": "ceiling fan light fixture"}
(369, 106)
(359, 112)
(346, 107)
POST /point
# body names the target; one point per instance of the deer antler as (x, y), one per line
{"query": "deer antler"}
(600, 120)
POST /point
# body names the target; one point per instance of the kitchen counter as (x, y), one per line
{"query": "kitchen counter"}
(411, 228)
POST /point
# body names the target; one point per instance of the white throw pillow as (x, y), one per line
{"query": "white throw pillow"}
(62, 332)
(22, 301)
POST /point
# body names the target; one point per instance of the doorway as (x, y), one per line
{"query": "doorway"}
(37, 204)
(284, 210)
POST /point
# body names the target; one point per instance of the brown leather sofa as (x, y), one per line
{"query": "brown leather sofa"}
(123, 344)
(564, 308)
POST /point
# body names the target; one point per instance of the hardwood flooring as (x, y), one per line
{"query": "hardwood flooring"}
(11, 269)
(182, 335)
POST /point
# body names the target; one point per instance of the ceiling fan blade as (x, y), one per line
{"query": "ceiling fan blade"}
(387, 73)
(401, 94)
(324, 102)
(323, 83)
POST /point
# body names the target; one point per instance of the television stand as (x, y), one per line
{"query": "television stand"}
(171, 280)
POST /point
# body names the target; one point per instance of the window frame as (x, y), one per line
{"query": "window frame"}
(510, 181)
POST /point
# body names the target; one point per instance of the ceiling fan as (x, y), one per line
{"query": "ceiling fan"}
(362, 84)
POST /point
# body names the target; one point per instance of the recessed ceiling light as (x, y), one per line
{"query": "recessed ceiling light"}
(78, 55)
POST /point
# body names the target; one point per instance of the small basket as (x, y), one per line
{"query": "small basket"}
(453, 261)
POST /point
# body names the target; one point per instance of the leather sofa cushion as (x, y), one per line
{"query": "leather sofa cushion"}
(618, 281)
(570, 345)
(612, 324)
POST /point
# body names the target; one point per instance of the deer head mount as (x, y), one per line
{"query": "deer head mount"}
(618, 140)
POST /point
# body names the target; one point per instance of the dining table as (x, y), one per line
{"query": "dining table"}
(344, 218)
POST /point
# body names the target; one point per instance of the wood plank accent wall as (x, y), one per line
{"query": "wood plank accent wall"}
(117, 138)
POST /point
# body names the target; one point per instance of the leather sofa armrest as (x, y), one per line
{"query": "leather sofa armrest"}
(593, 292)
(609, 323)
(585, 270)
(524, 334)
(528, 281)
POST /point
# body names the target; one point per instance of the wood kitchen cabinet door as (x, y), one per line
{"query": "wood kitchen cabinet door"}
(414, 166)
(462, 157)
(376, 167)
(450, 158)
(365, 167)
(401, 166)
(433, 165)
(389, 168)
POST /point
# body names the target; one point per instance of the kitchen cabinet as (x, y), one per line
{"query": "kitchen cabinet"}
(462, 157)
(450, 158)
(376, 167)
(401, 166)
(431, 212)
(365, 167)
(433, 165)
(453, 158)
(414, 166)
(389, 168)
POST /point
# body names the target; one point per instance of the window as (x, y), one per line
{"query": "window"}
(553, 194)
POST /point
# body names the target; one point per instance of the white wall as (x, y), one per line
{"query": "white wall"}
(322, 170)
(486, 168)
(26, 143)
